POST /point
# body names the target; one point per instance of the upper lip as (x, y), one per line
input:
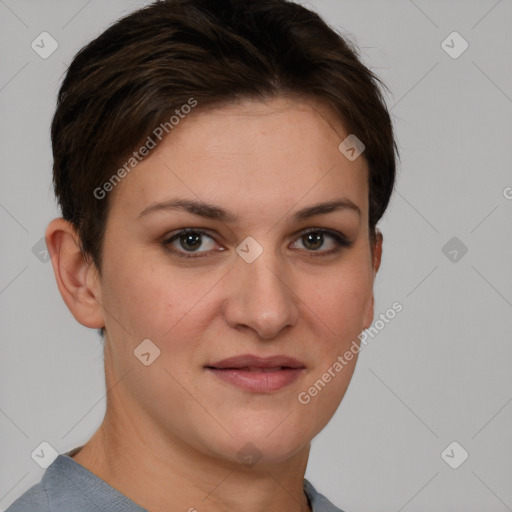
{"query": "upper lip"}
(249, 360)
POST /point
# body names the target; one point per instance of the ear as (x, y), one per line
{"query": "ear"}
(376, 259)
(77, 279)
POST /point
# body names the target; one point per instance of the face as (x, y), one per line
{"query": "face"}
(258, 273)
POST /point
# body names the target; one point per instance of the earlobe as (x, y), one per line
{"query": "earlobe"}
(377, 251)
(376, 260)
(77, 279)
(368, 316)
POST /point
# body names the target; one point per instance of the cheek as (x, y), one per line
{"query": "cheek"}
(343, 299)
(339, 317)
(138, 292)
(173, 308)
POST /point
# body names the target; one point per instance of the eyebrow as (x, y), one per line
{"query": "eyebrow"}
(211, 211)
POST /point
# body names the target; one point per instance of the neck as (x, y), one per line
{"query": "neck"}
(163, 474)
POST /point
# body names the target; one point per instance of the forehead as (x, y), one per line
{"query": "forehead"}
(278, 152)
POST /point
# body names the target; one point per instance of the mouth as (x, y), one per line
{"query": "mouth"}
(256, 374)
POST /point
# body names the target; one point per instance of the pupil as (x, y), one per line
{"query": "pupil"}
(191, 240)
(314, 239)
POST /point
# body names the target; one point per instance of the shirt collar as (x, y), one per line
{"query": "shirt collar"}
(65, 472)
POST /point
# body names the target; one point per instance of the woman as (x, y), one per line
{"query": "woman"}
(221, 169)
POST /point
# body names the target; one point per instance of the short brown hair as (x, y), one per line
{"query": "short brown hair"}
(134, 76)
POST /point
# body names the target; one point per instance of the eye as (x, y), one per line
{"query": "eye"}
(195, 243)
(314, 239)
(187, 242)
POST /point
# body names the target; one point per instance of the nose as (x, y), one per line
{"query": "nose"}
(260, 297)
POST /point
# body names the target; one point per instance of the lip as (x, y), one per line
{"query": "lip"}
(249, 360)
(258, 374)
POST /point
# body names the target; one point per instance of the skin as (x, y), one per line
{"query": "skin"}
(172, 430)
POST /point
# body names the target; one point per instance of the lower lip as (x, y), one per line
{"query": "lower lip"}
(259, 382)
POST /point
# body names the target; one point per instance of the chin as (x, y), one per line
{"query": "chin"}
(262, 444)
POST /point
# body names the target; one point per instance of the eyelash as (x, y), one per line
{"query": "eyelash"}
(339, 238)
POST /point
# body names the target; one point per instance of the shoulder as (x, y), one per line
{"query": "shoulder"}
(49, 495)
(68, 486)
(35, 499)
(319, 503)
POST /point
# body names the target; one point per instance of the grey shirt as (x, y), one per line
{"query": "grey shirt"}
(67, 486)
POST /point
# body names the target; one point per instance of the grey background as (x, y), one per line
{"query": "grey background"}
(439, 372)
